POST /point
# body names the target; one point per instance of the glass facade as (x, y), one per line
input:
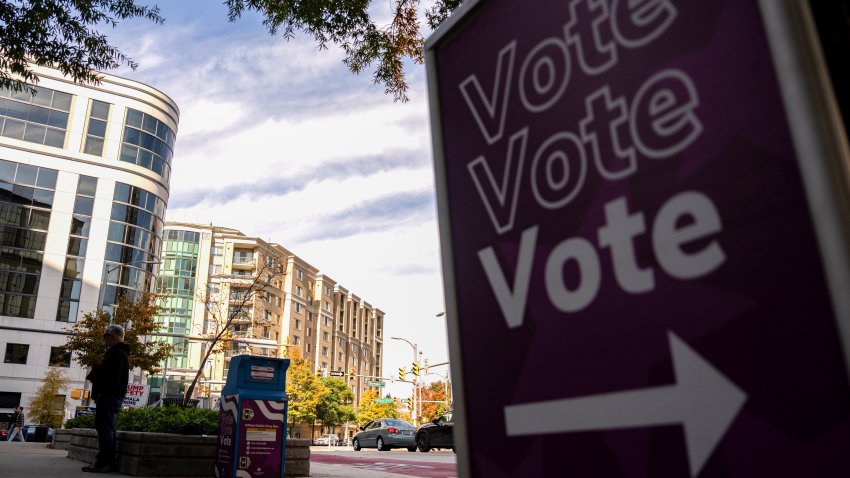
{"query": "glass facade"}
(147, 142)
(26, 201)
(41, 118)
(72, 276)
(176, 284)
(133, 244)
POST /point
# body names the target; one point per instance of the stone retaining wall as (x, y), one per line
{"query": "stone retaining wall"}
(165, 454)
(61, 439)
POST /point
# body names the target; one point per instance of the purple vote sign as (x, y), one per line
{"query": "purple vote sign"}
(637, 284)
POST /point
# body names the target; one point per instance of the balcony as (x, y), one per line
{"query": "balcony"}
(243, 262)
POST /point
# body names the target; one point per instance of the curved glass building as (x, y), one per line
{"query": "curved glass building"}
(84, 183)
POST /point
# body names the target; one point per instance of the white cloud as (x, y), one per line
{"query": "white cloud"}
(260, 110)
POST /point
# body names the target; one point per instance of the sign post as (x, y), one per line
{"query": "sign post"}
(638, 211)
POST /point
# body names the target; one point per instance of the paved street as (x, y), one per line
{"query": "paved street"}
(400, 462)
(27, 460)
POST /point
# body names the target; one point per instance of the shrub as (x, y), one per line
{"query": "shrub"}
(158, 420)
(83, 421)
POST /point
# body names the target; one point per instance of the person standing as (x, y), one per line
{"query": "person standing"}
(109, 386)
(17, 425)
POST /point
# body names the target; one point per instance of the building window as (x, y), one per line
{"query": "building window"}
(243, 257)
(309, 332)
(308, 348)
(147, 142)
(134, 242)
(327, 291)
(96, 131)
(297, 324)
(299, 291)
(40, 119)
(214, 269)
(16, 353)
(339, 357)
(10, 399)
(298, 307)
(72, 279)
(300, 274)
(327, 306)
(325, 336)
(26, 201)
(216, 251)
(296, 339)
(327, 321)
(60, 357)
(324, 351)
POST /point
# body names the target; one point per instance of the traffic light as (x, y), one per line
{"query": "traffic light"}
(401, 373)
(410, 403)
(80, 394)
(351, 374)
(415, 369)
(426, 366)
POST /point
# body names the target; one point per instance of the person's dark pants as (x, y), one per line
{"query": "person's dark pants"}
(105, 420)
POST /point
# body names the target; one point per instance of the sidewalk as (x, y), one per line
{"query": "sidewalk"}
(35, 460)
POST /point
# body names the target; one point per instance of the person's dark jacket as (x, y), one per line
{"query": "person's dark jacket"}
(109, 379)
(17, 420)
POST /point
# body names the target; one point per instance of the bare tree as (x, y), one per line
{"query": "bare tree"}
(232, 312)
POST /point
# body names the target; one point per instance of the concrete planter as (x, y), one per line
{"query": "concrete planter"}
(61, 439)
(165, 454)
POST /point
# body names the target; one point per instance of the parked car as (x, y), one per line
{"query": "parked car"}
(325, 440)
(438, 433)
(385, 434)
(5, 420)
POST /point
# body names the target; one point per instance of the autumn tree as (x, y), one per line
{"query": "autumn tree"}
(304, 389)
(369, 409)
(47, 406)
(138, 317)
(434, 402)
(62, 34)
(233, 313)
(335, 408)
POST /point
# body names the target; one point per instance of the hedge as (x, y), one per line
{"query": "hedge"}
(158, 420)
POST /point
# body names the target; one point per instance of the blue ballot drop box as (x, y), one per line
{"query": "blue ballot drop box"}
(252, 419)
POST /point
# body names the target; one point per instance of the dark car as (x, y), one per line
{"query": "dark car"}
(385, 434)
(5, 420)
(438, 433)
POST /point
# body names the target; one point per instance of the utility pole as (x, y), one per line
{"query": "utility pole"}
(416, 379)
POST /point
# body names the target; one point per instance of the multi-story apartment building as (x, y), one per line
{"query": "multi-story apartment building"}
(84, 182)
(204, 273)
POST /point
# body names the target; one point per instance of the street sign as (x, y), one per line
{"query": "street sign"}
(625, 214)
(383, 400)
(376, 384)
(336, 373)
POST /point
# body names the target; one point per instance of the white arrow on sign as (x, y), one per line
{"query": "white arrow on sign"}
(703, 400)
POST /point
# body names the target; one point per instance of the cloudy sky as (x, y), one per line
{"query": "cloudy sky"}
(279, 140)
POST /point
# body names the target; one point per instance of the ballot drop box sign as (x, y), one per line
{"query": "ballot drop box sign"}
(636, 282)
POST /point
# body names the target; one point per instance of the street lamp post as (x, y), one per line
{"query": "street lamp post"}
(415, 380)
(449, 371)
